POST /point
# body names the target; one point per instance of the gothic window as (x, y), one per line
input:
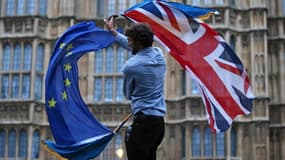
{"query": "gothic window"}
(109, 65)
(38, 87)
(4, 86)
(17, 58)
(6, 58)
(97, 89)
(100, 9)
(119, 89)
(21, 7)
(15, 86)
(43, 7)
(27, 57)
(196, 150)
(99, 61)
(26, 85)
(31, 7)
(220, 145)
(2, 143)
(23, 144)
(36, 144)
(233, 42)
(10, 6)
(208, 143)
(108, 89)
(12, 143)
(40, 58)
(120, 58)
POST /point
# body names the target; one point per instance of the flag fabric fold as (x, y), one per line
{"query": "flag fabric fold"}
(77, 133)
(221, 76)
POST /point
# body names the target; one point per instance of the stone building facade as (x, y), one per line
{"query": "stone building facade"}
(254, 29)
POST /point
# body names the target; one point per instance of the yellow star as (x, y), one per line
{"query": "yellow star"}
(67, 82)
(62, 45)
(51, 103)
(64, 95)
(69, 47)
(67, 67)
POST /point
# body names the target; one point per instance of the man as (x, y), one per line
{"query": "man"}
(144, 76)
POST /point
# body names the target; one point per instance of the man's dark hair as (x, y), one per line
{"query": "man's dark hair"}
(142, 33)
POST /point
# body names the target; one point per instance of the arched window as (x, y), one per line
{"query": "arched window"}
(12, 143)
(5, 86)
(233, 142)
(21, 7)
(108, 89)
(220, 145)
(97, 89)
(26, 85)
(36, 144)
(2, 143)
(17, 58)
(28, 57)
(99, 61)
(23, 144)
(15, 86)
(233, 42)
(43, 7)
(120, 58)
(208, 143)
(196, 150)
(109, 65)
(40, 58)
(119, 89)
(6, 58)
(31, 7)
(38, 87)
(10, 6)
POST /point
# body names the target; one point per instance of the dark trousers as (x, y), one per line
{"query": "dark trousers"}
(143, 137)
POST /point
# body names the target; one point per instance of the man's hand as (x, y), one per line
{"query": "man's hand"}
(110, 26)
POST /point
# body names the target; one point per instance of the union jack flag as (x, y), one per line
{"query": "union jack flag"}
(221, 76)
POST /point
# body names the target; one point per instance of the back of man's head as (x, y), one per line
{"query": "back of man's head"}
(142, 33)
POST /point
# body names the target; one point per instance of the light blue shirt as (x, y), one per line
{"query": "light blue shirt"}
(144, 76)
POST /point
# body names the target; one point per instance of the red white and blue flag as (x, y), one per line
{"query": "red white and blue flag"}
(222, 78)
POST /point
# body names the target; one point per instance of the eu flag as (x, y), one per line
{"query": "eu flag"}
(77, 134)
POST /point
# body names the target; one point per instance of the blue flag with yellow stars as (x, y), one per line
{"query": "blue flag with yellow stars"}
(78, 135)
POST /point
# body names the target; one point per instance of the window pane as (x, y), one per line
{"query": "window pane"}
(232, 43)
(17, 58)
(195, 87)
(40, 58)
(12, 143)
(220, 145)
(208, 143)
(43, 7)
(15, 86)
(36, 144)
(233, 142)
(38, 87)
(132, 2)
(31, 7)
(5, 86)
(119, 89)
(108, 89)
(122, 6)
(100, 9)
(21, 7)
(2, 143)
(26, 85)
(6, 58)
(195, 2)
(97, 89)
(28, 57)
(23, 144)
(196, 152)
(183, 143)
(109, 60)
(220, 2)
(120, 59)
(111, 7)
(99, 61)
(10, 7)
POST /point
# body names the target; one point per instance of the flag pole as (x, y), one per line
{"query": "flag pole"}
(126, 118)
